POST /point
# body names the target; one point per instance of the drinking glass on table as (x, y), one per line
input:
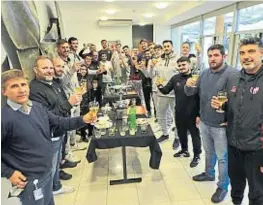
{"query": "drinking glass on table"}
(122, 130)
(97, 132)
(222, 98)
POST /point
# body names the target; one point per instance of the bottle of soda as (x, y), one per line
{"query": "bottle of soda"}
(132, 117)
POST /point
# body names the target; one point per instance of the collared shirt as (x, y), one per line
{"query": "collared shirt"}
(19, 107)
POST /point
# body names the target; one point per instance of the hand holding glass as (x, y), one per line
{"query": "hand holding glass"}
(222, 98)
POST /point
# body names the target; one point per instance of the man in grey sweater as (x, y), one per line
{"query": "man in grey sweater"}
(213, 134)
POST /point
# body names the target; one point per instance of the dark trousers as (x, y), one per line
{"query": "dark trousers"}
(182, 128)
(83, 130)
(242, 166)
(147, 91)
(64, 142)
(45, 183)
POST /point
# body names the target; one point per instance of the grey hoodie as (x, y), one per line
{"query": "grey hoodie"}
(208, 85)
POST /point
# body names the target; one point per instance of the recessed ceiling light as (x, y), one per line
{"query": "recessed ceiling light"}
(161, 5)
(110, 11)
(148, 15)
(104, 18)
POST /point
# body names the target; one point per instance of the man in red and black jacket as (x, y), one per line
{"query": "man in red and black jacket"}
(244, 112)
(186, 112)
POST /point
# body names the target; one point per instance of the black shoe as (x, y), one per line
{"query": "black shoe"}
(173, 129)
(149, 115)
(64, 176)
(84, 139)
(68, 164)
(176, 143)
(163, 138)
(155, 120)
(219, 195)
(182, 153)
(195, 161)
(203, 177)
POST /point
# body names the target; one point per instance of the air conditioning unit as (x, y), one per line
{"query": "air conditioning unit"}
(115, 22)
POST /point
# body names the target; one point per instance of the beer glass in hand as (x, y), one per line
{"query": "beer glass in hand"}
(222, 98)
(195, 76)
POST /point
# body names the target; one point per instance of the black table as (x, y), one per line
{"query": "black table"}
(138, 140)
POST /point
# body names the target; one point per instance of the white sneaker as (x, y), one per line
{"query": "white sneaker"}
(77, 147)
(71, 157)
(64, 190)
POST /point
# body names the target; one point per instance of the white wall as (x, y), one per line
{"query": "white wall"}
(161, 33)
(80, 21)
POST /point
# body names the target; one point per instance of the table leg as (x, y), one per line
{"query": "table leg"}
(125, 180)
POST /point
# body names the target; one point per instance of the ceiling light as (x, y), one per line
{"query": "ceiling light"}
(148, 15)
(109, 0)
(110, 11)
(104, 18)
(161, 5)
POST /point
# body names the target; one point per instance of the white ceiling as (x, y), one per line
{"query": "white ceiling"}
(135, 10)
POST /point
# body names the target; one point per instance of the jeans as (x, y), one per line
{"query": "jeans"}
(245, 166)
(215, 145)
(57, 148)
(75, 112)
(45, 183)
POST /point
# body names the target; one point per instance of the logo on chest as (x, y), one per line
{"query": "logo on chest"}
(254, 91)
(233, 89)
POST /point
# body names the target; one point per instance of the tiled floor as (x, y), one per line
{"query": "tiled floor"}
(170, 185)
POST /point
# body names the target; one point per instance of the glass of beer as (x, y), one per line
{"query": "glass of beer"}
(94, 107)
(195, 75)
(222, 98)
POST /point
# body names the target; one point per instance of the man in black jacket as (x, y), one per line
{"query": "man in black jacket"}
(45, 90)
(245, 124)
(187, 111)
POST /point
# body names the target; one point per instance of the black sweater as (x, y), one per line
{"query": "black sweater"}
(187, 107)
(26, 139)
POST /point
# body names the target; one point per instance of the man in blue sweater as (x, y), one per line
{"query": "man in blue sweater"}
(26, 140)
(210, 82)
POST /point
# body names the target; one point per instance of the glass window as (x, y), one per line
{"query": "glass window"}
(209, 26)
(228, 22)
(208, 41)
(191, 33)
(250, 18)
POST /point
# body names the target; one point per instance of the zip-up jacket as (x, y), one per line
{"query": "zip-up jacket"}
(165, 68)
(245, 110)
(187, 107)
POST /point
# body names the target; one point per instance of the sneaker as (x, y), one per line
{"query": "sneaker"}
(195, 161)
(71, 157)
(219, 195)
(64, 175)
(176, 143)
(182, 153)
(77, 147)
(68, 164)
(163, 138)
(203, 177)
(64, 190)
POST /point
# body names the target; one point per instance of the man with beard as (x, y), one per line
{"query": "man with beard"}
(105, 49)
(186, 111)
(210, 82)
(165, 69)
(244, 110)
(185, 51)
(70, 84)
(45, 90)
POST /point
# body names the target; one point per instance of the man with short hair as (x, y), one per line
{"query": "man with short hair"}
(74, 44)
(105, 49)
(27, 128)
(105, 69)
(186, 111)
(70, 84)
(165, 69)
(244, 110)
(45, 90)
(195, 61)
(210, 82)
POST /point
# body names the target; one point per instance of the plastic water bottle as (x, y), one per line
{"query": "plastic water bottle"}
(132, 117)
